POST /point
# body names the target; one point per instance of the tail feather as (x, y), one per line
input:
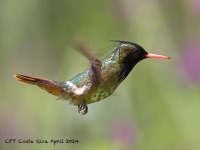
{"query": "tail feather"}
(53, 87)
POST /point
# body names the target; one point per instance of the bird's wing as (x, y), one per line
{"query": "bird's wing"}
(96, 64)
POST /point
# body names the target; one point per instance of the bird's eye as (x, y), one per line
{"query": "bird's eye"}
(136, 51)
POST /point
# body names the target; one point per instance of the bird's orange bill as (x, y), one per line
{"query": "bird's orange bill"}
(52, 87)
(150, 55)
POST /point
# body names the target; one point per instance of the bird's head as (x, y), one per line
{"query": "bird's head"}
(129, 54)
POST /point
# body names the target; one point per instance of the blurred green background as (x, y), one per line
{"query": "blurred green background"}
(156, 107)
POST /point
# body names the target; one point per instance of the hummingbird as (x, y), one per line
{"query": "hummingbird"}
(97, 82)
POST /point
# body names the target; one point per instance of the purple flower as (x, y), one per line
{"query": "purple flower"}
(123, 132)
(190, 62)
(197, 6)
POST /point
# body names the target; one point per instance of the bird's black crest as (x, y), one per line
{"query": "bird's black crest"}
(127, 42)
(124, 42)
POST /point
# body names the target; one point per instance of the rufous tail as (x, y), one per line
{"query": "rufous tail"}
(53, 87)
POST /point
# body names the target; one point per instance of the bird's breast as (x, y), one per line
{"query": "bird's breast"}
(110, 72)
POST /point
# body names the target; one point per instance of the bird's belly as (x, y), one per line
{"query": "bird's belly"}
(105, 89)
(101, 93)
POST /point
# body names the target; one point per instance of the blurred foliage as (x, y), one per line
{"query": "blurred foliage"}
(156, 107)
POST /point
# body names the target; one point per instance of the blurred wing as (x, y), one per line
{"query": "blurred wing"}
(95, 69)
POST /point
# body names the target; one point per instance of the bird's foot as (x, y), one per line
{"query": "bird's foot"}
(82, 107)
